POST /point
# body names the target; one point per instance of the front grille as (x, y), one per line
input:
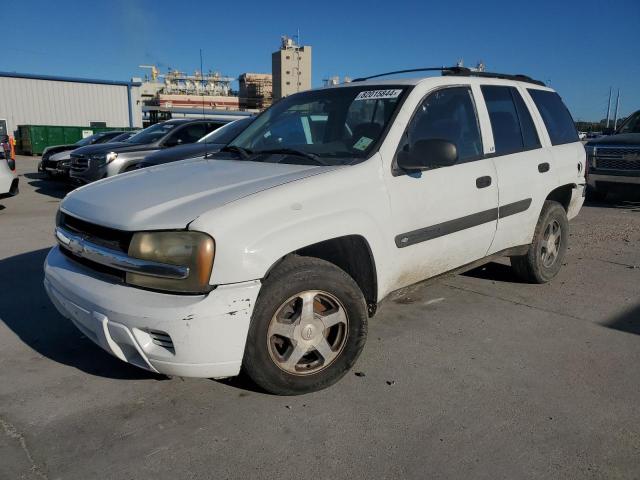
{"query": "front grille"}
(103, 236)
(162, 339)
(617, 164)
(617, 158)
(617, 152)
(79, 163)
(114, 273)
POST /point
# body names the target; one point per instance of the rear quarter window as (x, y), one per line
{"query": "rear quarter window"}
(556, 116)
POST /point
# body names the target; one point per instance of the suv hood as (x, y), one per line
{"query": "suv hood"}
(631, 139)
(173, 195)
(119, 147)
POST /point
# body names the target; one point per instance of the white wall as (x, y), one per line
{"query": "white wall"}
(25, 101)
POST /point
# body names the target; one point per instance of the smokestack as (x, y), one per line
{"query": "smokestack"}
(609, 107)
(615, 115)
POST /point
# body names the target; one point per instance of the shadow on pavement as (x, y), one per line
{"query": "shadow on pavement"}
(494, 271)
(48, 186)
(625, 197)
(27, 311)
(628, 321)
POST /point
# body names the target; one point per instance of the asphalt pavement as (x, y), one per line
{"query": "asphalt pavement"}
(468, 376)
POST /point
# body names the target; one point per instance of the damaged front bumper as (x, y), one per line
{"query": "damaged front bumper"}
(183, 335)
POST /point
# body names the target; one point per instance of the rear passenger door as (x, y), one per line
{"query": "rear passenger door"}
(521, 163)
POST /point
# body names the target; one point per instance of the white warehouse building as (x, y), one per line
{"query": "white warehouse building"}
(27, 99)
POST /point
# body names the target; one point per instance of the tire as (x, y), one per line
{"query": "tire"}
(280, 331)
(542, 262)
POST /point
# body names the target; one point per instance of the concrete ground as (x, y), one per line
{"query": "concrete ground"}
(469, 376)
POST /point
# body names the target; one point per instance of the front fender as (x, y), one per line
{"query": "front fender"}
(254, 233)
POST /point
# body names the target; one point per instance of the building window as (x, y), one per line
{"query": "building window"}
(288, 72)
(288, 83)
(288, 57)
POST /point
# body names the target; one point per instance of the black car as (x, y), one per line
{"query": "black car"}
(55, 163)
(207, 144)
(614, 160)
(99, 161)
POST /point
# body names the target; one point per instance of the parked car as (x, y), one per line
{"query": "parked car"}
(273, 253)
(614, 160)
(94, 162)
(210, 143)
(53, 156)
(8, 178)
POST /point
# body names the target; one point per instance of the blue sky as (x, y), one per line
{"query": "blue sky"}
(580, 48)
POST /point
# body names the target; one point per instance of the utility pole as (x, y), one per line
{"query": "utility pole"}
(609, 106)
(615, 115)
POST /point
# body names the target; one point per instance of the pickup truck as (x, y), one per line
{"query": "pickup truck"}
(272, 254)
(614, 160)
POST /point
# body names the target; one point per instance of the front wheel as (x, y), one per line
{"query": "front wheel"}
(308, 327)
(544, 258)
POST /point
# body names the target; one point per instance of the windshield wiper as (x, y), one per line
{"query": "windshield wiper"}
(243, 152)
(293, 151)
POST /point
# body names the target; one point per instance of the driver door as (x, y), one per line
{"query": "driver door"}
(445, 217)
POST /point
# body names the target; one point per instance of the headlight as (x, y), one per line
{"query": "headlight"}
(111, 156)
(190, 249)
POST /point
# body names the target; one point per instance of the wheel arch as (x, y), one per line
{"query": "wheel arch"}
(562, 195)
(351, 253)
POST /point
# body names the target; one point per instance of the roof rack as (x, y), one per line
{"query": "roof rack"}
(459, 71)
(466, 72)
(425, 69)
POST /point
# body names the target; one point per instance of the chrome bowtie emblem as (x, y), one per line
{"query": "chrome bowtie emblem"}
(307, 332)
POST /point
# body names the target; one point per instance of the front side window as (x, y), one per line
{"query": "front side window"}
(188, 134)
(448, 114)
(555, 115)
(336, 125)
(631, 125)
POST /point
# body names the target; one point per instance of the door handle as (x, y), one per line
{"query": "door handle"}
(543, 167)
(483, 182)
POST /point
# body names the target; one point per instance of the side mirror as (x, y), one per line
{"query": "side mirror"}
(428, 154)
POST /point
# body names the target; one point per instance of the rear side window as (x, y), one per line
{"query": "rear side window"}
(507, 136)
(449, 114)
(529, 134)
(555, 115)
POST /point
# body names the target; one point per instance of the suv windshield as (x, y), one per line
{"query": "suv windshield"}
(335, 124)
(152, 134)
(632, 125)
(226, 133)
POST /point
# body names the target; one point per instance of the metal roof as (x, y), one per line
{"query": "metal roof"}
(56, 78)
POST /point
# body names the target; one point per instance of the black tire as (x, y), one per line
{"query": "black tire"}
(293, 276)
(534, 266)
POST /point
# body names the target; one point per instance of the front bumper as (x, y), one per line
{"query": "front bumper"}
(594, 178)
(92, 172)
(206, 333)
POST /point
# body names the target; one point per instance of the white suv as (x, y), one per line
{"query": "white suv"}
(272, 254)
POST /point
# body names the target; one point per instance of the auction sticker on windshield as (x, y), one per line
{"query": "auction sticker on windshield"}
(378, 94)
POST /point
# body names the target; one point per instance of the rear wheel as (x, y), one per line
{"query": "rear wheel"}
(308, 327)
(543, 260)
